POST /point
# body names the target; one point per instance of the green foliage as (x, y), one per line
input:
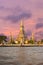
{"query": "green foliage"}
(2, 38)
(31, 41)
(42, 40)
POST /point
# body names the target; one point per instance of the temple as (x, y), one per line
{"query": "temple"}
(21, 40)
(11, 39)
(22, 37)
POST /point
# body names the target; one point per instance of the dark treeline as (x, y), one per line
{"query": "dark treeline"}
(3, 38)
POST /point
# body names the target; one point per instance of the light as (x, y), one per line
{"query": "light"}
(26, 41)
(16, 41)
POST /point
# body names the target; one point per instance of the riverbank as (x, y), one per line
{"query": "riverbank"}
(24, 45)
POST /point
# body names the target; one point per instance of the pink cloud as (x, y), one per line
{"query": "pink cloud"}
(15, 7)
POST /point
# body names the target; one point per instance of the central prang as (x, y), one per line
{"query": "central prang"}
(22, 38)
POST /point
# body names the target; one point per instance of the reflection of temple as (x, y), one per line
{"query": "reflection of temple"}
(22, 38)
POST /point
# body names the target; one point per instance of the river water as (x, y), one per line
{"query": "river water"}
(21, 55)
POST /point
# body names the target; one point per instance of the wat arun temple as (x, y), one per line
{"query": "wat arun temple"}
(22, 37)
(21, 40)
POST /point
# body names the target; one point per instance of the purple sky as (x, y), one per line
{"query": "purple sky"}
(29, 11)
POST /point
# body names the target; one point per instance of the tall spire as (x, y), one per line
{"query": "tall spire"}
(21, 23)
(21, 26)
(11, 38)
(32, 36)
(22, 36)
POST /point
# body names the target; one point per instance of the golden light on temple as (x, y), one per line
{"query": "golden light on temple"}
(22, 35)
(22, 39)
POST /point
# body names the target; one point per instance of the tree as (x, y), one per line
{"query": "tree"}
(2, 37)
(31, 41)
(41, 40)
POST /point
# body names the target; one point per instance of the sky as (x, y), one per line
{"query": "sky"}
(29, 11)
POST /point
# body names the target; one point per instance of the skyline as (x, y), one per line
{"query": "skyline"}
(29, 11)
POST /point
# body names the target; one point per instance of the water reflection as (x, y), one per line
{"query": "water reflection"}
(12, 63)
(40, 64)
(21, 55)
(5, 57)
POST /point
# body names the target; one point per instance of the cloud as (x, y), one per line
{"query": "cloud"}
(39, 23)
(14, 14)
(16, 10)
(39, 35)
(40, 20)
(28, 33)
(16, 18)
(39, 4)
(1, 7)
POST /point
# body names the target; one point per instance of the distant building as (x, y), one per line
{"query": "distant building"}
(11, 39)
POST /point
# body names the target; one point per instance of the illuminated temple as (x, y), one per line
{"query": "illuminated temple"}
(22, 38)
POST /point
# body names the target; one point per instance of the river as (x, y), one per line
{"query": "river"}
(21, 55)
